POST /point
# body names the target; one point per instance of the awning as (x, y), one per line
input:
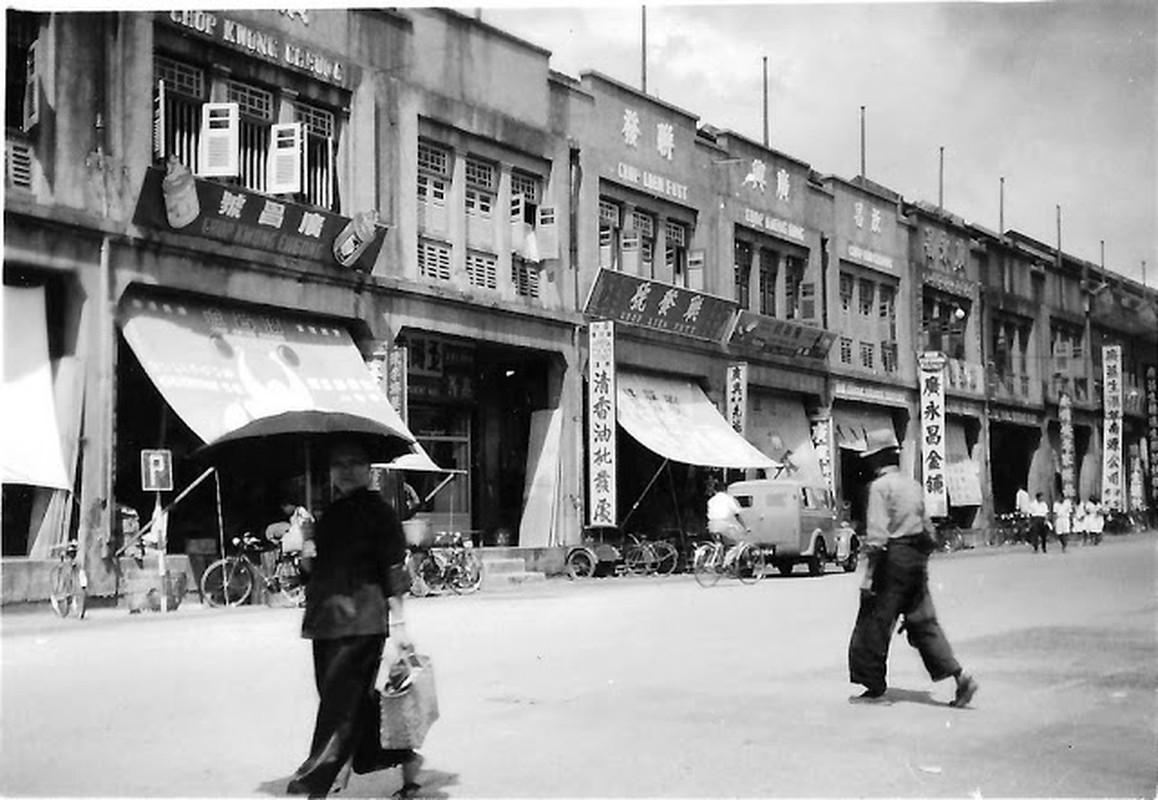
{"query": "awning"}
(30, 447)
(780, 428)
(851, 426)
(220, 366)
(675, 419)
(956, 444)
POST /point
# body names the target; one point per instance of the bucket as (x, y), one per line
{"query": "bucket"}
(419, 532)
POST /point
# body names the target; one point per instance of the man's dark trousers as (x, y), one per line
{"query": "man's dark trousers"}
(900, 585)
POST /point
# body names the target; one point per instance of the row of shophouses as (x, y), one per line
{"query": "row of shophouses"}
(209, 214)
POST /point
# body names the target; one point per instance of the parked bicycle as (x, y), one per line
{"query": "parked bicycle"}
(69, 589)
(647, 557)
(450, 563)
(229, 581)
(743, 560)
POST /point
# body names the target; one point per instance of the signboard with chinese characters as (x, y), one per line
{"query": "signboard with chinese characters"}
(738, 396)
(388, 366)
(1113, 470)
(1152, 428)
(659, 306)
(441, 370)
(238, 216)
(822, 442)
(932, 377)
(1136, 488)
(601, 422)
(1065, 414)
(782, 337)
(867, 228)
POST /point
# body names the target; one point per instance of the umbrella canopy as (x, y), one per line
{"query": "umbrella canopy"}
(293, 429)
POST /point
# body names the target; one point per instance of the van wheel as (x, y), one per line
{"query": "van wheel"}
(581, 564)
(784, 567)
(819, 556)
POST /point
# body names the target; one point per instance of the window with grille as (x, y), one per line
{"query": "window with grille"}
(675, 251)
(433, 184)
(866, 354)
(318, 154)
(768, 261)
(482, 270)
(433, 260)
(845, 350)
(256, 110)
(889, 356)
(865, 300)
(609, 234)
(22, 33)
(185, 91)
(479, 200)
(433, 160)
(847, 284)
(525, 278)
(793, 280)
(525, 185)
(645, 228)
(742, 272)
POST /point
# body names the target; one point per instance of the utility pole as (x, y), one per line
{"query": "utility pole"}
(862, 142)
(941, 180)
(765, 101)
(1001, 210)
(643, 47)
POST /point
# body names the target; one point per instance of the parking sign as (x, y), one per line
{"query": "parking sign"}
(157, 470)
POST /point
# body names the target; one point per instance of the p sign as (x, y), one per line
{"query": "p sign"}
(157, 470)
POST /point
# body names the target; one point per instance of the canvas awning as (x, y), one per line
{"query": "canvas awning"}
(851, 426)
(220, 365)
(675, 419)
(30, 446)
(780, 427)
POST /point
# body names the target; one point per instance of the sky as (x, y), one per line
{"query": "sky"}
(1059, 98)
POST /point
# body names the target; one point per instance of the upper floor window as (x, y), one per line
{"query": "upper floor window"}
(845, 350)
(866, 300)
(22, 101)
(847, 284)
(888, 309)
(318, 156)
(675, 253)
(769, 261)
(644, 225)
(255, 111)
(799, 297)
(742, 272)
(433, 185)
(610, 229)
(480, 187)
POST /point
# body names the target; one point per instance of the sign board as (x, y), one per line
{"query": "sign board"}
(738, 396)
(782, 337)
(1152, 429)
(157, 470)
(601, 425)
(1113, 468)
(933, 452)
(659, 306)
(1065, 413)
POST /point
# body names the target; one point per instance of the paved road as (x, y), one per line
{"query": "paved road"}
(626, 687)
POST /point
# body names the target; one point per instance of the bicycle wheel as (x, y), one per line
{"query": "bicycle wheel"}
(666, 557)
(288, 577)
(706, 564)
(749, 563)
(64, 580)
(414, 565)
(226, 582)
(467, 576)
(639, 559)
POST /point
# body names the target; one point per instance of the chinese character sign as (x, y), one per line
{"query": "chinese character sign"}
(1136, 488)
(1066, 420)
(932, 376)
(738, 396)
(822, 442)
(1152, 428)
(601, 420)
(1113, 470)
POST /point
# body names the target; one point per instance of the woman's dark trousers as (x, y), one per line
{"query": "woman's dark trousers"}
(900, 586)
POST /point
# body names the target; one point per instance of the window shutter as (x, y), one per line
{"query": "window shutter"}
(31, 90)
(220, 142)
(284, 166)
(808, 300)
(518, 227)
(696, 270)
(548, 233)
(159, 123)
(630, 253)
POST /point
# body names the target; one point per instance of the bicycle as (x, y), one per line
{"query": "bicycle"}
(743, 560)
(68, 592)
(450, 564)
(646, 557)
(229, 581)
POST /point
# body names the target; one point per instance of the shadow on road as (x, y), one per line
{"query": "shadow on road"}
(923, 697)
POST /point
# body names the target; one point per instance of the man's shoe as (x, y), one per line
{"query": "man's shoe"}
(966, 688)
(869, 697)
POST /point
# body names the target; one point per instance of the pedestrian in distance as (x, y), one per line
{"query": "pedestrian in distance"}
(1063, 512)
(899, 539)
(354, 592)
(1080, 530)
(1095, 520)
(1039, 522)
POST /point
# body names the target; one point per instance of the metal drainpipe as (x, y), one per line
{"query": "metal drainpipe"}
(574, 184)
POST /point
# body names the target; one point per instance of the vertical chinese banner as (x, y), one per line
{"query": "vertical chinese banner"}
(388, 366)
(822, 442)
(1065, 415)
(1112, 468)
(932, 369)
(1152, 429)
(601, 453)
(738, 396)
(1137, 490)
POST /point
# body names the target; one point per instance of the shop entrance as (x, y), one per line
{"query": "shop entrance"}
(1011, 449)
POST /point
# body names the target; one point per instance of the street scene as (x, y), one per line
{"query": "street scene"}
(626, 687)
(594, 401)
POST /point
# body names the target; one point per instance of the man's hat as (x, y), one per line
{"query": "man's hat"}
(879, 440)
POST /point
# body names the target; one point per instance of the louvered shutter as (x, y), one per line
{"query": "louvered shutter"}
(630, 253)
(284, 167)
(159, 123)
(518, 227)
(808, 300)
(696, 270)
(548, 233)
(220, 142)
(31, 90)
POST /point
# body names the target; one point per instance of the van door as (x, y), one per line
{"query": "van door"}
(816, 513)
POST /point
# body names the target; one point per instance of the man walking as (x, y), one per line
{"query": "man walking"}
(1039, 522)
(898, 543)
